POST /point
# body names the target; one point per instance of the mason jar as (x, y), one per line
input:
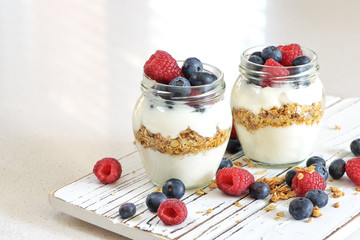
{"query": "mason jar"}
(277, 117)
(182, 137)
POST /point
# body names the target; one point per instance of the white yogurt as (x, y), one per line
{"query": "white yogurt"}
(253, 98)
(194, 170)
(171, 121)
(276, 145)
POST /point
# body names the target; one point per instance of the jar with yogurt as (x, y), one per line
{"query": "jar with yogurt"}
(277, 117)
(182, 137)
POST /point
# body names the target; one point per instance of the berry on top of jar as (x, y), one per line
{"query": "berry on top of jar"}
(163, 68)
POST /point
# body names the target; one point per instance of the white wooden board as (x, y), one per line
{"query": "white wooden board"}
(98, 204)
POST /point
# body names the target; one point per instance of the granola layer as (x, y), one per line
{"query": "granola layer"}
(286, 115)
(188, 141)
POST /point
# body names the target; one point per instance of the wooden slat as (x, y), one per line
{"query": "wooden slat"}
(97, 203)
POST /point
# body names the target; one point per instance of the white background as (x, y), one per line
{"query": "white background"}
(70, 72)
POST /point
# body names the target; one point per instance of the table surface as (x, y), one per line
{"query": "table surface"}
(70, 74)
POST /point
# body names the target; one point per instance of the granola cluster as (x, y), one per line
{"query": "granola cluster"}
(278, 192)
(188, 141)
(286, 115)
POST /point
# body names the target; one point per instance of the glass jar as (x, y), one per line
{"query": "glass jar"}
(182, 137)
(277, 118)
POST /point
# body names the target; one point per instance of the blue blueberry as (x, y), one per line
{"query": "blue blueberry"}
(271, 52)
(259, 190)
(258, 53)
(127, 210)
(355, 147)
(202, 78)
(190, 66)
(289, 177)
(179, 87)
(174, 188)
(256, 59)
(301, 208)
(301, 60)
(337, 168)
(169, 104)
(317, 197)
(321, 169)
(315, 159)
(225, 162)
(233, 146)
(298, 68)
(154, 199)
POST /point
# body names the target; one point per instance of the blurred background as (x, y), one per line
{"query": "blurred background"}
(70, 73)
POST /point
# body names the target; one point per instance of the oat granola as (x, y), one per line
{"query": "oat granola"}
(286, 115)
(188, 141)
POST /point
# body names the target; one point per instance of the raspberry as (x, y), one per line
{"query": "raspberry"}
(233, 131)
(352, 169)
(234, 181)
(304, 181)
(162, 67)
(275, 69)
(172, 211)
(289, 52)
(107, 170)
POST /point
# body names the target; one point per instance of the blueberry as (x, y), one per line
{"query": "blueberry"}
(202, 78)
(127, 210)
(271, 52)
(259, 190)
(289, 177)
(315, 159)
(355, 147)
(233, 146)
(301, 208)
(174, 188)
(190, 66)
(317, 197)
(225, 162)
(169, 104)
(154, 199)
(256, 59)
(200, 109)
(321, 169)
(337, 168)
(179, 87)
(298, 68)
(258, 53)
(301, 60)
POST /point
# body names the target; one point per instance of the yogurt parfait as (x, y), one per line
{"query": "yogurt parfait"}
(181, 122)
(277, 104)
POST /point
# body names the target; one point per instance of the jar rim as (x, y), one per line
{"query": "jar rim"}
(198, 93)
(261, 73)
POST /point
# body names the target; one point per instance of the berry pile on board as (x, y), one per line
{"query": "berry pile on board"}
(163, 68)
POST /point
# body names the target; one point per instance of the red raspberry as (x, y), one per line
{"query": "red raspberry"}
(107, 170)
(162, 67)
(234, 181)
(172, 211)
(233, 131)
(304, 181)
(352, 169)
(289, 52)
(275, 69)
